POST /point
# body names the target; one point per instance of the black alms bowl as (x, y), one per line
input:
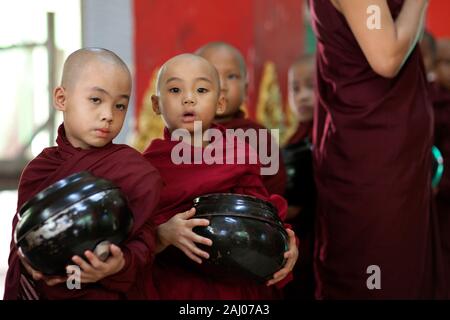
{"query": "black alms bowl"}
(248, 236)
(69, 217)
(300, 187)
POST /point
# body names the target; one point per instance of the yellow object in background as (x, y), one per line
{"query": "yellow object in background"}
(269, 109)
(150, 125)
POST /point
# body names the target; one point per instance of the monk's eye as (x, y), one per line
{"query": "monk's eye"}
(234, 76)
(202, 90)
(121, 107)
(95, 100)
(174, 90)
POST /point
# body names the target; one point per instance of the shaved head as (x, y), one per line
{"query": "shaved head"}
(218, 45)
(190, 59)
(82, 58)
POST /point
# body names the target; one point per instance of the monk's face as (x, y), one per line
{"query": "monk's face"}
(427, 54)
(95, 105)
(443, 64)
(188, 92)
(233, 82)
(301, 90)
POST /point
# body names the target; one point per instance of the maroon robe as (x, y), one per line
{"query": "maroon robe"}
(138, 180)
(441, 104)
(303, 131)
(275, 184)
(373, 139)
(174, 275)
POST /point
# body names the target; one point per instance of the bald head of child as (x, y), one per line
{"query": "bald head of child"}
(93, 96)
(443, 63)
(187, 90)
(232, 70)
(301, 88)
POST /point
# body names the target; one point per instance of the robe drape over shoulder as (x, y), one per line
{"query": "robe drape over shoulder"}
(373, 139)
(137, 179)
(275, 184)
(174, 275)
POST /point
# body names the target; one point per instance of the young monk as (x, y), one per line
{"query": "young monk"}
(301, 102)
(441, 104)
(232, 69)
(428, 48)
(188, 91)
(300, 193)
(93, 96)
(376, 236)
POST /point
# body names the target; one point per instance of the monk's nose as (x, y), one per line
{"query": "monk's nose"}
(107, 115)
(188, 100)
(223, 85)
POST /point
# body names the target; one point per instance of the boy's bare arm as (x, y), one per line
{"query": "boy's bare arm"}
(387, 47)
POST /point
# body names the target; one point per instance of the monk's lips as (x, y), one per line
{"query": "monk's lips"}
(73, 215)
(249, 239)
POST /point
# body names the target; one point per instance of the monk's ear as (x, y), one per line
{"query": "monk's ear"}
(155, 104)
(221, 105)
(59, 98)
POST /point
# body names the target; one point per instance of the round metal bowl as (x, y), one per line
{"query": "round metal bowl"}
(249, 239)
(73, 215)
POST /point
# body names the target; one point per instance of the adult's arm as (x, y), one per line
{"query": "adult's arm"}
(387, 48)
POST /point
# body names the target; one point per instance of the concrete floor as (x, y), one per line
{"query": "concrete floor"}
(8, 203)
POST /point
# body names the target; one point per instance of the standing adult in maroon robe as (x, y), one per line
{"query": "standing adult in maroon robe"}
(232, 69)
(93, 97)
(441, 105)
(376, 235)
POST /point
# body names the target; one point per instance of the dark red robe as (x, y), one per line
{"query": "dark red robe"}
(441, 104)
(303, 131)
(275, 184)
(174, 275)
(138, 180)
(373, 139)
